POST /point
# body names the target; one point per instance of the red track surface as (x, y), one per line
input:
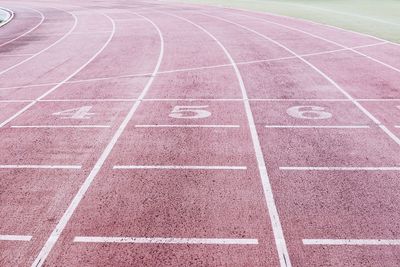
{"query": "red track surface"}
(154, 134)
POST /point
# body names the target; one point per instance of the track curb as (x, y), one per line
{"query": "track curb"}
(9, 18)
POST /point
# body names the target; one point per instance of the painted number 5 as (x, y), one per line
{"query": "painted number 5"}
(189, 112)
(309, 112)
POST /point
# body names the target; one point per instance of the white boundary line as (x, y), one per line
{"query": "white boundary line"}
(185, 126)
(15, 238)
(320, 126)
(345, 168)
(345, 93)
(52, 240)
(281, 246)
(352, 242)
(166, 240)
(75, 167)
(60, 126)
(29, 31)
(175, 167)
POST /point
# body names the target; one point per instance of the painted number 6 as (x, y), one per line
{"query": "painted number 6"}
(189, 112)
(309, 112)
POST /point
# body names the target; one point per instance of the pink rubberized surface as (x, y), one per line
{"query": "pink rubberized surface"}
(77, 107)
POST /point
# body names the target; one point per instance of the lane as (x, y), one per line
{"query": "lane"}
(185, 191)
(344, 198)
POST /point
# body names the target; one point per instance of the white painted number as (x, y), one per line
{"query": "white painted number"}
(309, 112)
(189, 112)
(75, 113)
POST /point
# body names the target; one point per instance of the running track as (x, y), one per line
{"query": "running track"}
(156, 134)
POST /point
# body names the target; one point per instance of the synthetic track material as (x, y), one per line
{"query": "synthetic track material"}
(160, 134)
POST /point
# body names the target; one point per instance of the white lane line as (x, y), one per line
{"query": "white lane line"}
(185, 126)
(55, 234)
(176, 167)
(60, 126)
(344, 92)
(344, 168)
(15, 238)
(320, 126)
(352, 242)
(166, 240)
(397, 126)
(45, 49)
(15, 55)
(63, 81)
(74, 167)
(29, 31)
(284, 258)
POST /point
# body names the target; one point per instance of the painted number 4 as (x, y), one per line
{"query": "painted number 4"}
(189, 112)
(309, 112)
(75, 113)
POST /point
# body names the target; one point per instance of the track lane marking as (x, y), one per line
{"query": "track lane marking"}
(45, 49)
(60, 83)
(184, 126)
(55, 234)
(320, 126)
(352, 242)
(177, 167)
(180, 70)
(344, 92)
(327, 40)
(15, 238)
(166, 240)
(75, 167)
(337, 168)
(60, 126)
(277, 230)
(42, 18)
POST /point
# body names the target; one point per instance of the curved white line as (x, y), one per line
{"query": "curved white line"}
(29, 31)
(330, 80)
(281, 246)
(10, 17)
(52, 240)
(47, 48)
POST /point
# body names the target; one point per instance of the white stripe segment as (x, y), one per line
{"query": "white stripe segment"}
(340, 168)
(60, 126)
(40, 167)
(352, 242)
(320, 126)
(185, 126)
(166, 240)
(15, 238)
(175, 167)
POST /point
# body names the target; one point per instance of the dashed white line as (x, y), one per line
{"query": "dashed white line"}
(40, 167)
(166, 240)
(177, 167)
(352, 242)
(15, 238)
(320, 126)
(344, 168)
(185, 126)
(60, 126)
